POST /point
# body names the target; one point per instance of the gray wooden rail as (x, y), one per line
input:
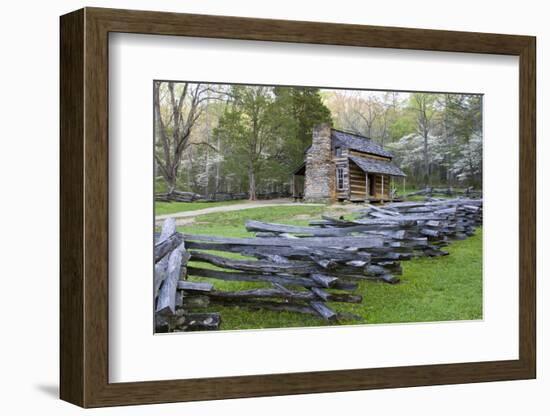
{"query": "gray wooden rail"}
(429, 192)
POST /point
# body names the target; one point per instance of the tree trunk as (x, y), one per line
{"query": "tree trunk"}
(449, 144)
(251, 183)
(218, 161)
(170, 183)
(207, 166)
(426, 162)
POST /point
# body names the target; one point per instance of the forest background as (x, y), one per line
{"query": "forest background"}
(212, 138)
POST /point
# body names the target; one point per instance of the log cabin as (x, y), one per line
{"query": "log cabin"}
(343, 166)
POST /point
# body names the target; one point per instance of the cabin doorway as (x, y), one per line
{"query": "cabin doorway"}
(298, 187)
(371, 184)
(298, 183)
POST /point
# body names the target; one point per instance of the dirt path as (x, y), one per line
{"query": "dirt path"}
(188, 217)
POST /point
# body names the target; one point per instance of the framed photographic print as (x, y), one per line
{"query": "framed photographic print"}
(257, 207)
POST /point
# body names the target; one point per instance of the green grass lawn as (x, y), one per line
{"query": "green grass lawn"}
(431, 289)
(162, 208)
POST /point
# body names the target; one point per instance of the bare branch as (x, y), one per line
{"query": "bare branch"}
(204, 144)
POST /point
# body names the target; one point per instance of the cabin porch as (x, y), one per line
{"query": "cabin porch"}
(369, 187)
(365, 186)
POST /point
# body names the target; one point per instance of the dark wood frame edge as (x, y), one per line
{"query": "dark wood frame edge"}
(84, 207)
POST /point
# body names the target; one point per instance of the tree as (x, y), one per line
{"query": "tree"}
(422, 104)
(177, 107)
(370, 112)
(378, 115)
(466, 130)
(409, 155)
(248, 129)
(469, 164)
(359, 112)
(295, 111)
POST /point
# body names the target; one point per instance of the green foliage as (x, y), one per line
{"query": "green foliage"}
(248, 132)
(161, 186)
(431, 289)
(246, 138)
(297, 110)
(440, 140)
(403, 124)
(265, 130)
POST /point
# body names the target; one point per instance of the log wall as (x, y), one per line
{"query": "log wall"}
(358, 183)
(342, 162)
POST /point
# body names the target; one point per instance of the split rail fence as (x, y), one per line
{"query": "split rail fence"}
(469, 192)
(304, 266)
(179, 196)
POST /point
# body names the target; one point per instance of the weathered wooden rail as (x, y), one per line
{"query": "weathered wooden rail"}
(177, 196)
(469, 192)
(180, 196)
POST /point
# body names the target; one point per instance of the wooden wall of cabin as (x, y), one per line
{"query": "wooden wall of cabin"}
(342, 161)
(358, 183)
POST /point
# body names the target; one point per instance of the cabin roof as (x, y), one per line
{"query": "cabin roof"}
(356, 142)
(384, 167)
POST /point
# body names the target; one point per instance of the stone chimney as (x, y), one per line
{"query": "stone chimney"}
(319, 180)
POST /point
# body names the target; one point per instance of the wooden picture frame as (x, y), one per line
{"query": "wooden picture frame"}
(84, 207)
